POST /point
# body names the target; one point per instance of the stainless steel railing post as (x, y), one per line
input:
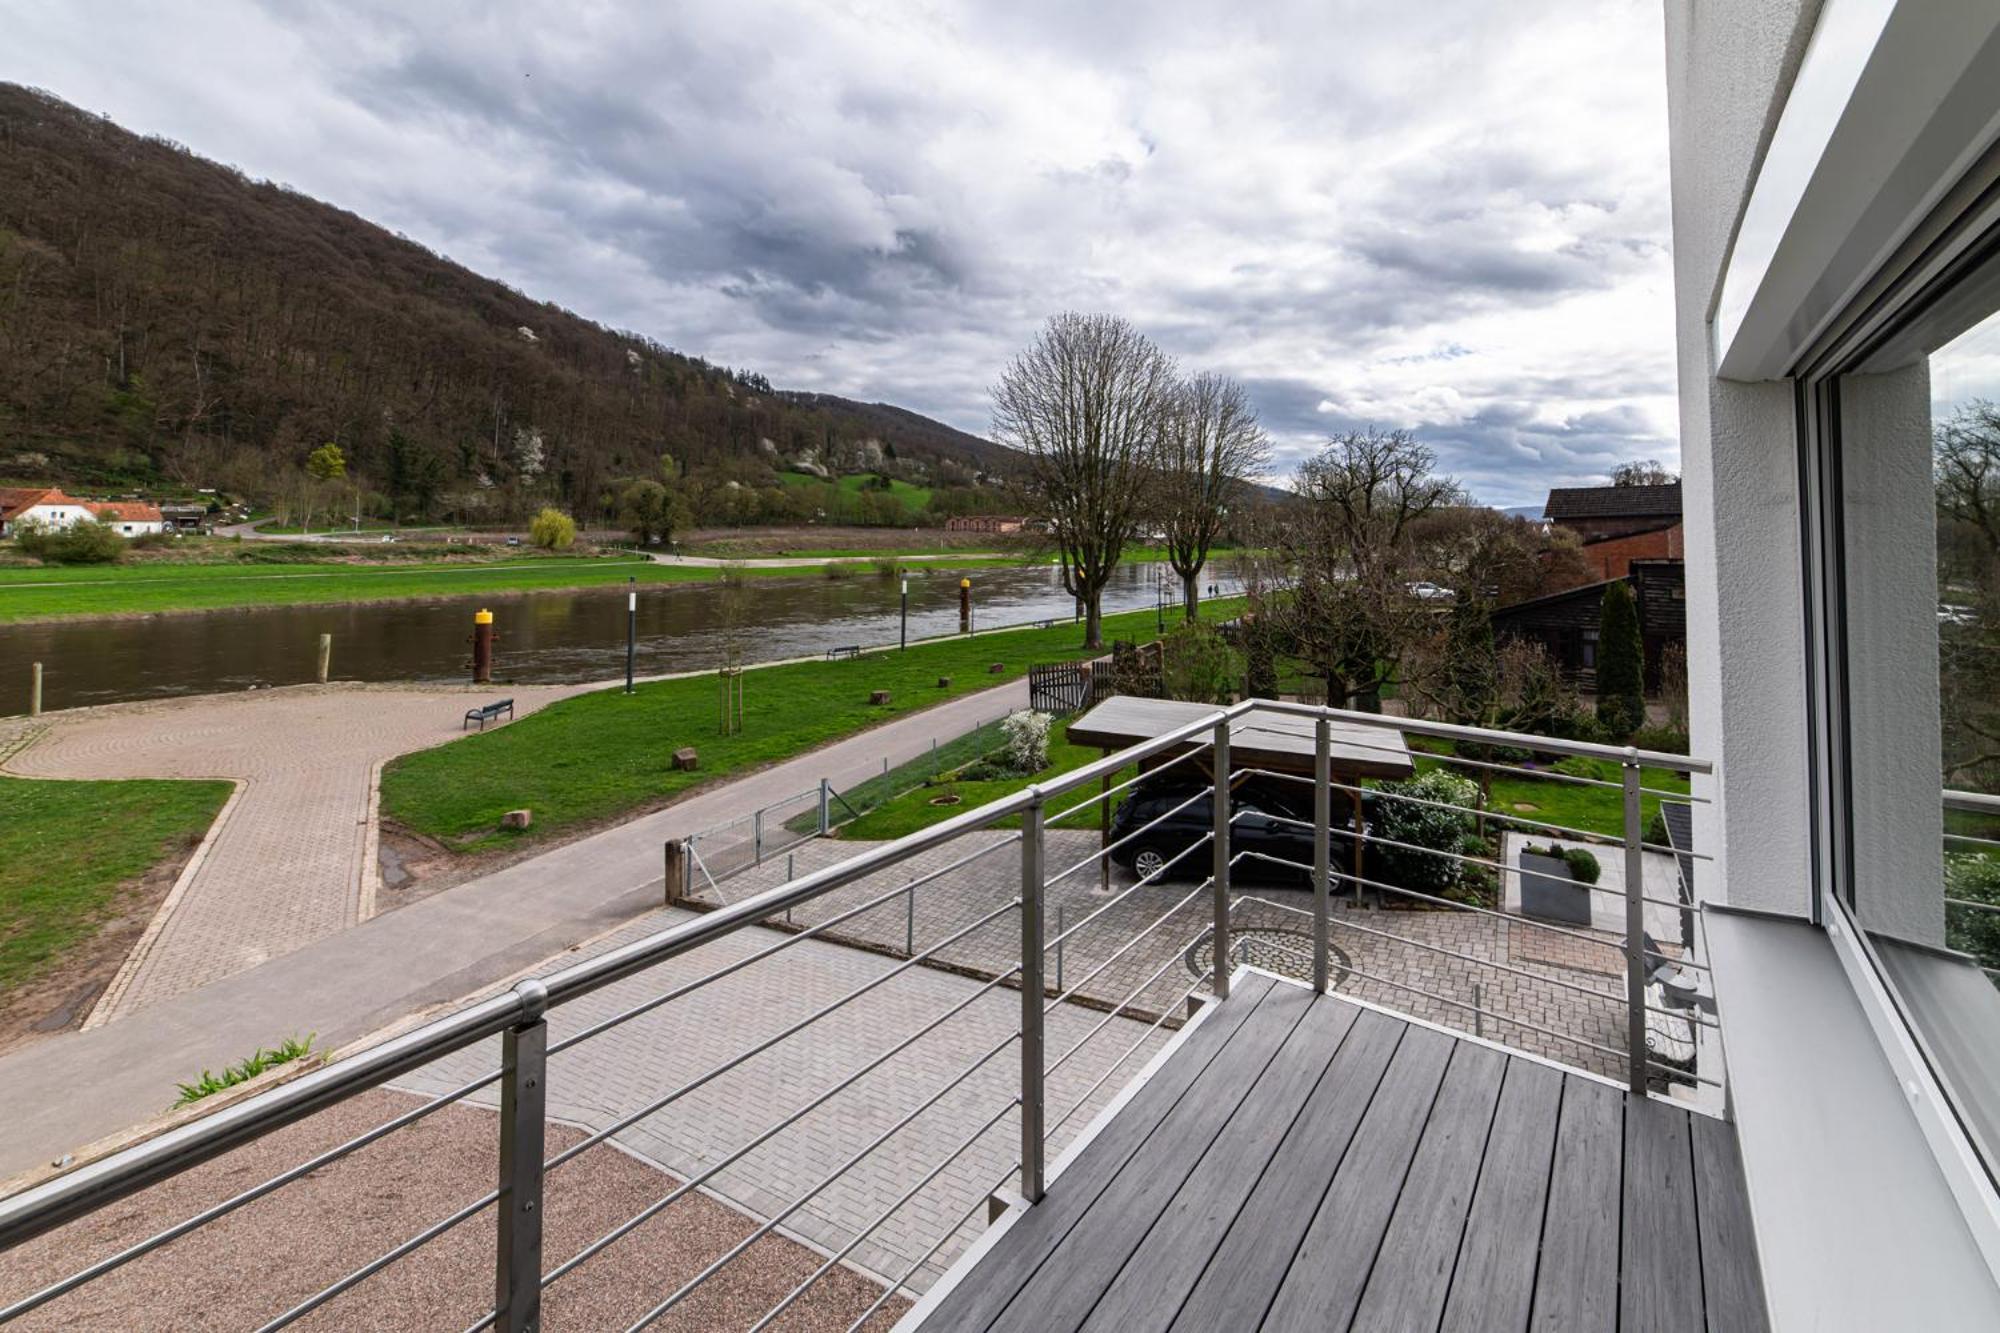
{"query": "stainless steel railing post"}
(825, 808)
(1635, 929)
(517, 1272)
(1322, 853)
(1032, 1071)
(1220, 952)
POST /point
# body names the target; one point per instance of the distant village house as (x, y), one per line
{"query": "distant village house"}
(48, 507)
(995, 523)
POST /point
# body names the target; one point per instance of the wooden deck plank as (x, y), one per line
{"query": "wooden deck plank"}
(1493, 1287)
(1660, 1270)
(1168, 1259)
(1236, 1287)
(984, 1291)
(1412, 1273)
(1091, 1256)
(1732, 1282)
(1324, 1284)
(1576, 1286)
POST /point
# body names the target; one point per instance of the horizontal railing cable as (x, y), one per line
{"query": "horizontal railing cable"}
(1144, 828)
(899, 1283)
(1166, 1011)
(1157, 876)
(1126, 947)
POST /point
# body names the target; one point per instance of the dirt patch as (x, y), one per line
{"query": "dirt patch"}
(60, 997)
(260, 1260)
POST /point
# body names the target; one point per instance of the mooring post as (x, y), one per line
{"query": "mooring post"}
(965, 606)
(35, 691)
(482, 647)
(325, 655)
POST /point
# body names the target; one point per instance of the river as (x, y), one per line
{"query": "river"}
(544, 636)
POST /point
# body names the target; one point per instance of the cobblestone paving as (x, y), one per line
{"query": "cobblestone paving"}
(292, 857)
(624, 1068)
(1525, 977)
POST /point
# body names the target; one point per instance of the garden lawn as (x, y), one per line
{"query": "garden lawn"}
(1572, 804)
(912, 810)
(607, 753)
(67, 847)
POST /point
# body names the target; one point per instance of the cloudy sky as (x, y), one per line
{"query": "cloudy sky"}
(1449, 215)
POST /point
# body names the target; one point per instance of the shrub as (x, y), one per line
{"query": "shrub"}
(1580, 766)
(259, 1060)
(1425, 826)
(1198, 665)
(1027, 735)
(553, 530)
(1583, 867)
(1974, 877)
(1621, 663)
(81, 543)
(837, 569)
(1667, 740)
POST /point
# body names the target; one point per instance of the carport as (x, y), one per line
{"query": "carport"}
(1276, 742)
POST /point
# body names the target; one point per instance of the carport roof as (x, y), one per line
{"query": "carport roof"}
(1282, 742)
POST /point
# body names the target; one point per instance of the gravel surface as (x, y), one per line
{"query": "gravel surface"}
(263, 1258)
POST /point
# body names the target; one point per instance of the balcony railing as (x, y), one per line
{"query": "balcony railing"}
(1128, 962)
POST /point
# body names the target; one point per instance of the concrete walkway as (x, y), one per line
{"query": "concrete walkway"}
(292, 857)
(345, 985)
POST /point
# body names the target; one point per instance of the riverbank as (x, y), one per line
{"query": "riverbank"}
(606, 755)
(37, 595)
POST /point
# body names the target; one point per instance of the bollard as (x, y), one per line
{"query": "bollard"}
(35, 691)
(482, 647)
(965, 606)
(325, 655)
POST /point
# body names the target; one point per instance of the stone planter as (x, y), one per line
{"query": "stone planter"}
(1549, 893)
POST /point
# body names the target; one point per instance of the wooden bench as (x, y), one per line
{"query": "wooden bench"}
(851, 650)
(487, 713)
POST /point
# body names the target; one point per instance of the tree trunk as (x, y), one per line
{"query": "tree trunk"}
(1191, 594)
(1093, 620)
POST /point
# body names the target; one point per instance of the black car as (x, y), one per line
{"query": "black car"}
(1266, 817)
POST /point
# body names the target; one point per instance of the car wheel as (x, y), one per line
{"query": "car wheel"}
(1148, 861)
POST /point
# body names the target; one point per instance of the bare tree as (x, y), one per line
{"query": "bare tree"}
(1642, 472)
(1210, 448)
(1085, 403)
(1349, 541)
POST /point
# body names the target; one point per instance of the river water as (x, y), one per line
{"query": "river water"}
(544, 636)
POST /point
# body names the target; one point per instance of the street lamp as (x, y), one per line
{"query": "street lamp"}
(905, 637)
(631, 627)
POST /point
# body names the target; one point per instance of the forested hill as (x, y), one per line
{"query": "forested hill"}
(166, 320)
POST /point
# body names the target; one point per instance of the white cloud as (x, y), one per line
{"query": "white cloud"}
(1447, 216)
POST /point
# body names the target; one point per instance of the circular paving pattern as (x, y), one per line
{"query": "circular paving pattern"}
(1274, 949)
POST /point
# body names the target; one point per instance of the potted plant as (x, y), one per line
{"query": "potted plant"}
(1555, 883)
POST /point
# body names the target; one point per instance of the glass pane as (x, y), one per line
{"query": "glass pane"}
(1920, 480)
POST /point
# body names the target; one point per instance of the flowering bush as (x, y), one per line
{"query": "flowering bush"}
(1425, 826)
(1027, 735)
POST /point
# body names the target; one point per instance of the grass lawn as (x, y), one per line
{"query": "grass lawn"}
(603, 754)
(1571, 804)
(913, 810)
(39, 593)
(66, 847)
(913, 497)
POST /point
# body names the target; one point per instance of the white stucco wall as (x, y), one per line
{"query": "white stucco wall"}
(1892, 651)
(1728, 66)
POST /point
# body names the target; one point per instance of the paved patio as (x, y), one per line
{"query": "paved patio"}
(291, 858)
(623, 1069)
(1560, 997)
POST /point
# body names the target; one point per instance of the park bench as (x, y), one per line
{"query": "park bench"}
(851, 650)
(487, 713)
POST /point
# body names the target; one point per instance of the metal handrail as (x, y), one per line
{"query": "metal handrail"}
(518, 1015)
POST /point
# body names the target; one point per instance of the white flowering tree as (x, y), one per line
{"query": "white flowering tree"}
(1027, 735)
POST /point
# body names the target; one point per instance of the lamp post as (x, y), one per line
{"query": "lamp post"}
(631, 628)
(904, 639)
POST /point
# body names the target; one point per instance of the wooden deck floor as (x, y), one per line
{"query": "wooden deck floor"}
(1309, 1163)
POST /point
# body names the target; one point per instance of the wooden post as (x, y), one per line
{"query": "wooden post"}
(482, 647)
(35, 691)
(325, 655)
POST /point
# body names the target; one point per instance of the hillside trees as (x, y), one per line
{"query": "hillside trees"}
(166, 317)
